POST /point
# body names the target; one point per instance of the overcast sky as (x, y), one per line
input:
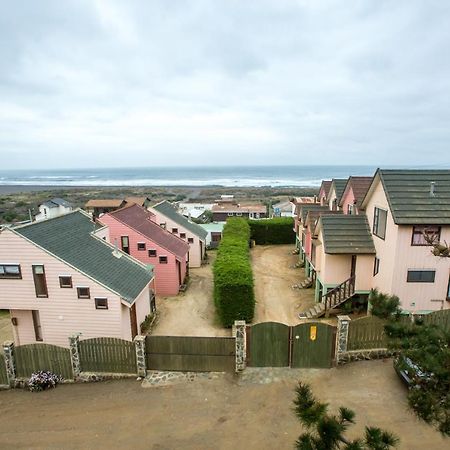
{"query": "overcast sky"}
(143, 83)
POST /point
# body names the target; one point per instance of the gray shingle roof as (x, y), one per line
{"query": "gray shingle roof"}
(408, 194)
(55, 202)
(346, 234)
(308, 207)
(70, 238)
(169, 211)
(339, 186)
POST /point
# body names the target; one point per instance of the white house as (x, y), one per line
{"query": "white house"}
(53, 208)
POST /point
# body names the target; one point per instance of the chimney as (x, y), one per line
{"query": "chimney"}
(432, 187)
(116, 252)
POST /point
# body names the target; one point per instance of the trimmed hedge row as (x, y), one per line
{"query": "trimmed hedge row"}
(278, 230)
(233, 278)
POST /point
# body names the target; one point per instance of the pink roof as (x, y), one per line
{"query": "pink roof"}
(138, 218)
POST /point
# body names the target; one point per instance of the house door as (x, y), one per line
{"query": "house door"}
(133, 321)
(179, 272)
(353, 267)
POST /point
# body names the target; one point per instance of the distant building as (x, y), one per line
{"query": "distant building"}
(227, 207)
(283, 209)
(53, 208)
(97, 207)
(214, 230)
(195, 210)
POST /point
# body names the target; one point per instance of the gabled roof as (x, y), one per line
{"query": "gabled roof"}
(138, 200)
(339, 186)
(313, 217)
(410, 196)
(105, 203)
(166, 209)
(139, 219)
(359, 185)
(55, 202)
(306, 208)
(326, 184)
(70, 238)
(346, 234)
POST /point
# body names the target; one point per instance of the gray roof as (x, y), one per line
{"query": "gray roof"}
(346, 234)
(55, 202)
(169, 211)
(70, 238)
(410, 201)
(339, 186)
(311, 207)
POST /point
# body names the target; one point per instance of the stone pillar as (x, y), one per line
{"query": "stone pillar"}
(239, 332)
(139, 343)
(75, 355)
(8, 350)
(342, 336)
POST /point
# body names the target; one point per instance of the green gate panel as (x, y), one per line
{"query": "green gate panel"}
(313, 353)
(190, 353)
(269, 345)
(35, 357)
(3, 375)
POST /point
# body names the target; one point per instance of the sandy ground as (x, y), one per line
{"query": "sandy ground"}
(193, 312)
(210, 414)
(274, 276)
(6, 333)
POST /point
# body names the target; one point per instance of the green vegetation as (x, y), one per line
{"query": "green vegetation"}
(233, 278)
(427, 345)
(327, 432)
(278, 230)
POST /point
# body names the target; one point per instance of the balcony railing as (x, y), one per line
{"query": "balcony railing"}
(339, 294)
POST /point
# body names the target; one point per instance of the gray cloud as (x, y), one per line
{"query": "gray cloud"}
(123, 83)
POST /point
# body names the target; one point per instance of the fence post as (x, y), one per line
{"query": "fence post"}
(342, 336)
(139, 343)
(239, 332)
(75, 355)
(8, 350)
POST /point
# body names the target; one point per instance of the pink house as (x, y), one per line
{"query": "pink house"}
(323, 192)
(57, 278)
(134, 231)
(354, 192)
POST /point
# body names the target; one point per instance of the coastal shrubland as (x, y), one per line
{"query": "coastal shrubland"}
(233, 278)
(278, 230)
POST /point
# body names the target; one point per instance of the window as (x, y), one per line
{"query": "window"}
(65, 281)
(239, 214)
(191, 240)
(152, 253)
(141, 246)
(350, 209)
(40, 283)
(163, 225)
(101, 303)
(421, 276)
(37, 325)
(10, 271)
(376, 266)
(379, 222)
(183, 235)
(125, 244)
(230, 214)
(83, 292)
(432, 232)
(163, 259)
(174, 230)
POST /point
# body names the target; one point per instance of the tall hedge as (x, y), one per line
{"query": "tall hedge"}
(278, 230)
(233, 278)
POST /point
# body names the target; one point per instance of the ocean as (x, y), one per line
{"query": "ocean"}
(239, 176)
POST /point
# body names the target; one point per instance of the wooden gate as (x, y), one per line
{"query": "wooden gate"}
(109, 355)
(313, 345)
(3, 375)
(191, 353)
(34, 357)
(268, 345)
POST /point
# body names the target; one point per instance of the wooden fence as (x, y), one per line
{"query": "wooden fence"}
(109, 355)
(3, 376)
(440, 318)
(34, 357)
(190, 353)
(366, 333)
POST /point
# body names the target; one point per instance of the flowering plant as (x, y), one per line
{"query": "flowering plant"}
(42, 380)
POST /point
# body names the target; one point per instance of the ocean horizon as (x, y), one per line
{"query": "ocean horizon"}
(225, 176)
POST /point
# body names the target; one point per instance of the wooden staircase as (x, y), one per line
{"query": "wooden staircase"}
(331, 299)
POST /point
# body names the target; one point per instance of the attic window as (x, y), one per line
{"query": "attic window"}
(10, 271)
(163, 225)
(191, 240)
(65, 281)
(83, 292)
(174, 230)
(101, 303)
(152, 253)
(183, 235)
(163, 259)
(141, 246)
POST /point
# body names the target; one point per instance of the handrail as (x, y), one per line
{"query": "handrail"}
(340, 293)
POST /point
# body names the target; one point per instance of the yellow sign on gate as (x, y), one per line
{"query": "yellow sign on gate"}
(313, 332)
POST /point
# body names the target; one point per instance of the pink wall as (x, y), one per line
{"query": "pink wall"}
(166, 275)
(348, 199)
(62, 313)
(197, 249)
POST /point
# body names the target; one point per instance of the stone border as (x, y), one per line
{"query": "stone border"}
(364, 355)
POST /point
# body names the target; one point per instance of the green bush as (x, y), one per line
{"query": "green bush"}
(233, 278)
(278, 230)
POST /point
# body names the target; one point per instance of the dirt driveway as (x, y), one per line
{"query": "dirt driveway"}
(274, 277)
(191, 313)
(216, 414)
